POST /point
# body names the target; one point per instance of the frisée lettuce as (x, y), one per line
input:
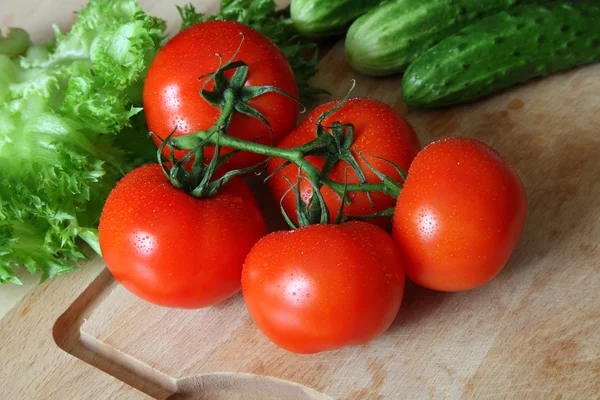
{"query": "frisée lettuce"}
(69, 118)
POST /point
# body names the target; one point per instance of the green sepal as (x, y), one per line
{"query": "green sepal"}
(379, 174)
(389, 212)
(214, 98)
(246, 109)
(238, 79)
(339, 105)
(250, 92)
(319, 207)
(350, 159)
(287, 218)
(316, 211)
(217, 184)
(340, 215)
(301, 207)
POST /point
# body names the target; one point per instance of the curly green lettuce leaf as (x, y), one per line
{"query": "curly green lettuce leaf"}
(263, 16)
(15, 42)
(70, 127)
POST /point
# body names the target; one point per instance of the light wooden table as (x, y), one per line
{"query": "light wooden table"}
(533, 332)
(11, 294)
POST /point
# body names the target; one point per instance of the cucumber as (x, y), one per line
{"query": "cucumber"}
(386, 39)
(500, 51)
(321, 18)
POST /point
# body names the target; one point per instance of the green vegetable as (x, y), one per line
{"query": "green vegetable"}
(15, 43)
(385, 40)
(61, 107)
(274, 24)
(321, 18)
(511, 47)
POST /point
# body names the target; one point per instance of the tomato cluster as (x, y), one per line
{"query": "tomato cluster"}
(457, 218)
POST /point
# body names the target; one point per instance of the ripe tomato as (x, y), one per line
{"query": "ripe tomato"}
(379, 131)
(323, 287)
(173, 249)
(172, 90)
(459, 215)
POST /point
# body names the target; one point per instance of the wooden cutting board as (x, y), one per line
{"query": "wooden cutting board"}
(533, 332)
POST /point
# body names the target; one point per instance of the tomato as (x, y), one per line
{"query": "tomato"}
(379, 131)
(171, 91)
(459, 216)
(173, 249)
(323, 287)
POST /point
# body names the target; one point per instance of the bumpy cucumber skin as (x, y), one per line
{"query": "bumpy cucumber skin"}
(508, 48)
(322, 18)
(386, 39)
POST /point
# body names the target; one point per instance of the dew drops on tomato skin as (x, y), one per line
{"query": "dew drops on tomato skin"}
(171, 97)
(428, 224)
(144, 243)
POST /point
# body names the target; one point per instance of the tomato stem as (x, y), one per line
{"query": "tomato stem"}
(295, 155)
(227, 109)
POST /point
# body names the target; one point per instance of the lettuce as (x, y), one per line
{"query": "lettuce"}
(70, 120)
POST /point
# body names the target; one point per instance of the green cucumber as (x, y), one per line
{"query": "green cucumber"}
(321, 18)
(386, 39)
(500, 51)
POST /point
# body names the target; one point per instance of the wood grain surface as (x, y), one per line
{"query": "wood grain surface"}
(533, 332)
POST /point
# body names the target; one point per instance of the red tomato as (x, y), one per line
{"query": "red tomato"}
(171, 90)
(379, 131)
(323, 287)
(459, 216)
(173, 249)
